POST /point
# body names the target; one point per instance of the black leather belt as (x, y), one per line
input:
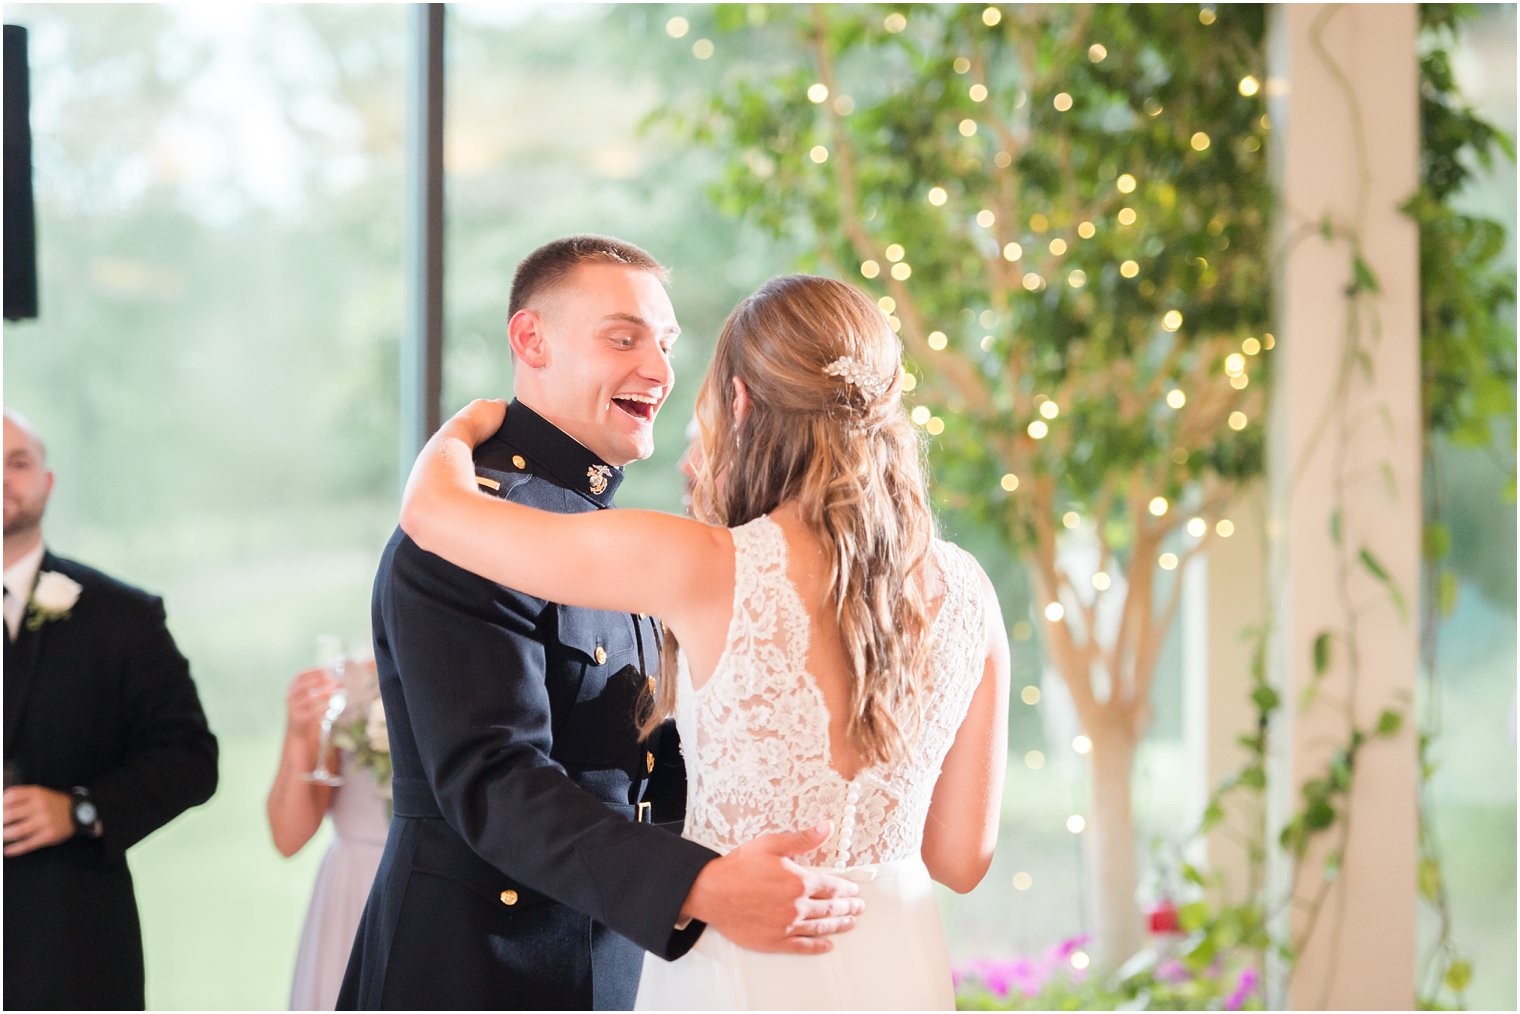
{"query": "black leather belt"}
(411, 797)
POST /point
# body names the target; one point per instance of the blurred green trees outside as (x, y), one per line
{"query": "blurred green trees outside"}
(221, 215)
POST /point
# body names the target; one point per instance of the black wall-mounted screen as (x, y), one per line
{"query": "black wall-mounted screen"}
(20, 217)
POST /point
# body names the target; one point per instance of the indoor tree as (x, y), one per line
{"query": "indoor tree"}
(1065, 212)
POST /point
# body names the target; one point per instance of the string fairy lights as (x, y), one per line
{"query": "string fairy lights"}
(972, 136)
(893, 262)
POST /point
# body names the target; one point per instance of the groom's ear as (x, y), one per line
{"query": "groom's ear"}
(530, 345)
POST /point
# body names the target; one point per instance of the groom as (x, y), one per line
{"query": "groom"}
(521, 869)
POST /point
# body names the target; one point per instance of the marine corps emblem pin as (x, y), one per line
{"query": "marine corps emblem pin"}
(598, 474)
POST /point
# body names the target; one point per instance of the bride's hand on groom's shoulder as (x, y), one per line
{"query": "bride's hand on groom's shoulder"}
(478, 420)
(759, 898)
(444, 468)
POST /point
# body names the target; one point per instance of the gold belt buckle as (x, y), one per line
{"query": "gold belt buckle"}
(644, 814)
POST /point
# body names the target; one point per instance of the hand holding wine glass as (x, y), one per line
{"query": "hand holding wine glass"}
(332, 661)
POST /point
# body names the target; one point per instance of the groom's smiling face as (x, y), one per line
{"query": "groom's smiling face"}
(597, 364)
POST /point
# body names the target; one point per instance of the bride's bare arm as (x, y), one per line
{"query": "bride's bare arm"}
(961, 831)
(630, 561)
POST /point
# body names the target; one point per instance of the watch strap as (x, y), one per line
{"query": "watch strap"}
(84, 813)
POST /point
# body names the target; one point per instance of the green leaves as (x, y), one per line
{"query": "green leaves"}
(1446, 593)
(1363, 280)
(1371, 563)
(1436, 542)
(1322, 642)
(1430, 879)
(1467, 335)
(1458, 975)
(1373, 566)
(1265, 698)
(1192, 915)
(1319, 814)
(1047, 242)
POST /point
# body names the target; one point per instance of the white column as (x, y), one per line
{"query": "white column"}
(1223, 598)
(1343, 100)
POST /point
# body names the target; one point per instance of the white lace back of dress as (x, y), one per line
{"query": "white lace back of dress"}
(756, 734)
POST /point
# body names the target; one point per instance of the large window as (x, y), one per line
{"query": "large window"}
(545, 138)
(220, 216)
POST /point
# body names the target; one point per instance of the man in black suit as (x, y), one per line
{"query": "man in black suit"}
(522, 869)
(105, 742)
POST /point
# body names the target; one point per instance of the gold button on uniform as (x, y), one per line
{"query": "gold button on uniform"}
(518, 462)
(509, 897)
(648, 761)
(600, 654)
(652, 685)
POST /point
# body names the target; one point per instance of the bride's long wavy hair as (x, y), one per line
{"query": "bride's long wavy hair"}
(825, 427)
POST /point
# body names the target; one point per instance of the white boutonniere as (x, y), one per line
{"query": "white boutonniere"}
(52, 599)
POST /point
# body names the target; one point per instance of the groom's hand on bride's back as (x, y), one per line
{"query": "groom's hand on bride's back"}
(759, 898)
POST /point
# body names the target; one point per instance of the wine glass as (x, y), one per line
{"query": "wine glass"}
(332, 657)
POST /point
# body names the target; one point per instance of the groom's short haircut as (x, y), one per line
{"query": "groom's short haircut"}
(547, 266)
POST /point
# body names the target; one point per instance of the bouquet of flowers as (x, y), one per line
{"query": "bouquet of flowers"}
(364, 736)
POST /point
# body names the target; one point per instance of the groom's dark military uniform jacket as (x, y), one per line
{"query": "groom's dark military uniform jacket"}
(518, 872)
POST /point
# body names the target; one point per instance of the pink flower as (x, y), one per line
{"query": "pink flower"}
(1244, 987)
(996, 979)
(1172, 970)
(1026, 975)
(1030, 977)
(988, 973)
(1066, 948)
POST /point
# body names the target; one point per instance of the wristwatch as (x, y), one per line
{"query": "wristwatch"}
(83, 811)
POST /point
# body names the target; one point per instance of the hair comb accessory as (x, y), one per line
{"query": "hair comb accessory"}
(859, 375)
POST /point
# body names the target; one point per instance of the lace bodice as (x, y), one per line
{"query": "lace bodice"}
(756, 734)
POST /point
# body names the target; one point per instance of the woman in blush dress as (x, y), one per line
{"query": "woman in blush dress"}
(359, 817)
(828, 659)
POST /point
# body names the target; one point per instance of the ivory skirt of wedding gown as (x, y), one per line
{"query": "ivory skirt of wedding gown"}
(894, 959)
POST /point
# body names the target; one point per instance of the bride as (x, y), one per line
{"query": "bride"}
(829, 659)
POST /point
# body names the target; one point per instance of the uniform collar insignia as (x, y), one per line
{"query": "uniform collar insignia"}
(555, 455)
